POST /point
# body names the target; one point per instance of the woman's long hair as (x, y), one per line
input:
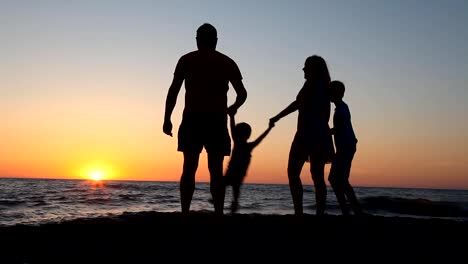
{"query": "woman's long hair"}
(319, 68)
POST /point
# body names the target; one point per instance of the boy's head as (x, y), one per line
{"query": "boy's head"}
(243, 131)
(337, 90)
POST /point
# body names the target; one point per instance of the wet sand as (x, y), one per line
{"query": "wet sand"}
(152, 237)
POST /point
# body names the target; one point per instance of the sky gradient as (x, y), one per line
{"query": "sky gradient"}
(83, 84)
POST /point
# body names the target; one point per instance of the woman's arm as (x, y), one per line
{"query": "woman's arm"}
(291, 108)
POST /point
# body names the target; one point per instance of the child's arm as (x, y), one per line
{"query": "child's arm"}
(263, 135)
(232, 124)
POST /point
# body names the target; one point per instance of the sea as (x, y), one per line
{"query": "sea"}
(41, 201)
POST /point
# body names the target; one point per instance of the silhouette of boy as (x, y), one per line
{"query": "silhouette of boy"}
(240, 158)
(345, 144)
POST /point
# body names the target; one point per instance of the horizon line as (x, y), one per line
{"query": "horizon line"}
(207, 182)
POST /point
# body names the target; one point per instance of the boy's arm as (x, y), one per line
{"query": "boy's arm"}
(262, 136)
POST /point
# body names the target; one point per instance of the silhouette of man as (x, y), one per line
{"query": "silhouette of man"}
(207, 74)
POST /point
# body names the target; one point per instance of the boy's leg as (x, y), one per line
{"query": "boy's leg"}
(347, 188)
(338, 180)
(339, 190)
(349, 191)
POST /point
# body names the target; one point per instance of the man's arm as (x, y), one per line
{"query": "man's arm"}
(238, 86)
(170, 103)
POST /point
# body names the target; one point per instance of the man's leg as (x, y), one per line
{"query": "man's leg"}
(215, 166)
(187, 181)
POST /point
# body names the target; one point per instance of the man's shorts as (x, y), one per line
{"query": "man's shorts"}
(341, 165)
(208, 130)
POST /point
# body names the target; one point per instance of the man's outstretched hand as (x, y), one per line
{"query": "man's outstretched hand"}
(167, 128)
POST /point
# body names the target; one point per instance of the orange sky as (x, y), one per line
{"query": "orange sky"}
(83, 85)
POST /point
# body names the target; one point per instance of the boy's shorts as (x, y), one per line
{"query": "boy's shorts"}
(208, 130)
(341, 165)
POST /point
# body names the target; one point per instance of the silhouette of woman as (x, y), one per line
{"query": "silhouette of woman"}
(313, 140)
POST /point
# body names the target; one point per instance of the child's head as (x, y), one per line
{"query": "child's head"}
(337, 90)
(243, 131)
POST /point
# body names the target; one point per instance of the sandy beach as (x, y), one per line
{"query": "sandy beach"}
(152, 237)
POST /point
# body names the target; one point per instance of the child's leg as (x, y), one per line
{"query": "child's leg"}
(338, 181)
(236, 193)
(339, 189)
(349, 191)
(347, 188)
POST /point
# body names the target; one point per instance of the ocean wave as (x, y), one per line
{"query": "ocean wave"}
(39, 203)
(11, 202)
(129, 197)
(97, 201)
(417, 206)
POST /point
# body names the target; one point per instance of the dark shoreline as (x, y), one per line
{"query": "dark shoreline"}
(151, 237)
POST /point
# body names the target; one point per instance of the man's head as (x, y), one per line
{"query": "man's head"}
(337, 90)
(206, 37)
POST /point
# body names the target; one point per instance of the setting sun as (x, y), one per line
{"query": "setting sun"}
(96, 175)
(97, 172)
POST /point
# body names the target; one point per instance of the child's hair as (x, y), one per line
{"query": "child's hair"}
(243, 131)
(337, 89)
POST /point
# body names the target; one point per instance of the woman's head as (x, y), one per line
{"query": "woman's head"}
(315, 68)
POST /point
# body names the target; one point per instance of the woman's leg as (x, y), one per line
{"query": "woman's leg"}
(295, 184)
(297, 158)
(317, 168)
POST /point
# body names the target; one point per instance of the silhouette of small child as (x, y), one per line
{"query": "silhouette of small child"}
(345, 144)
(240, 157)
